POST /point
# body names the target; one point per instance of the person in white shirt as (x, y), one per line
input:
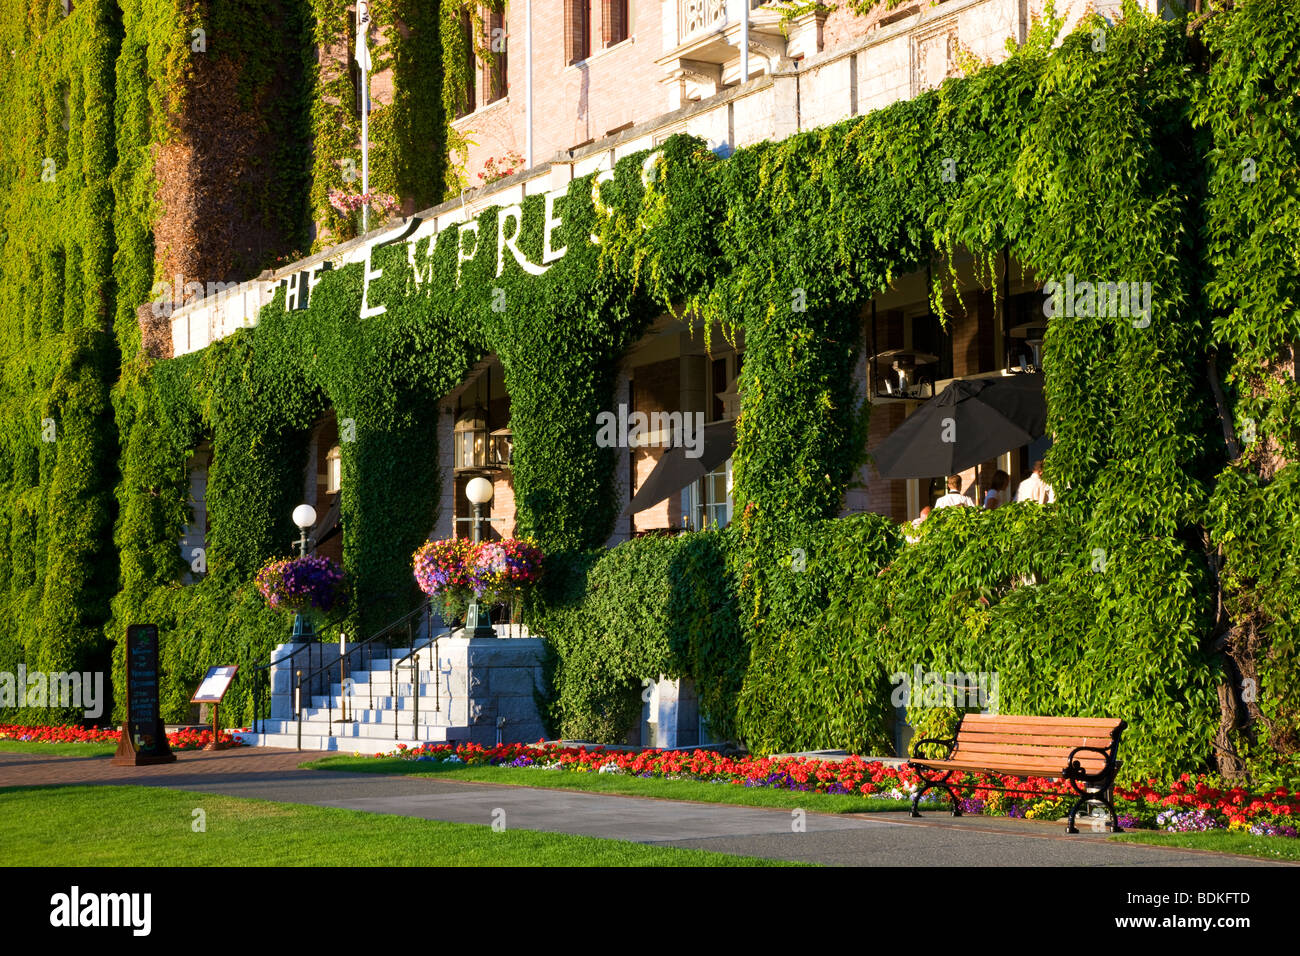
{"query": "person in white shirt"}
(1034, 488)
(998, 493)
(954, 496)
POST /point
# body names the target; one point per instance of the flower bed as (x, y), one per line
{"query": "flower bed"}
(1186, 805)
(179, 740)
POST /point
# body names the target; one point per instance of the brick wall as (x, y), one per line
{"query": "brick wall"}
(571, 104)
(880, 495)
(972, 324)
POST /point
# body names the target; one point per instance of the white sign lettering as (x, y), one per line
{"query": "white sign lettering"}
(513, 213)
(549, 225)
(509, 228)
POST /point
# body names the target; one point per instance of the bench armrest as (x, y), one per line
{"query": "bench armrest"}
(948, 742)
(1105, 773)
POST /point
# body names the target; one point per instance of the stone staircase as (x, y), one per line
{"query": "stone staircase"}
(380, 714)
(480, 690)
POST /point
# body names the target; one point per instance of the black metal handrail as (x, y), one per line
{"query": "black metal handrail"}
(366, 648)
(262, 679)
(413, 654)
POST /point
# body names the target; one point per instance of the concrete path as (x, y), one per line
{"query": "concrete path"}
(874, 839)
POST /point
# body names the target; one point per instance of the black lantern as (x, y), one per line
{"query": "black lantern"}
(471, 440)
(501, 448)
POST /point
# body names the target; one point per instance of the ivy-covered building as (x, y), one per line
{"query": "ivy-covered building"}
(773, 254)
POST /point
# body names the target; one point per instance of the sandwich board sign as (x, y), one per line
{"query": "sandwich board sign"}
(144, 736)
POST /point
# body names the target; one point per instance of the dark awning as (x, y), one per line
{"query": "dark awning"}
(676, 469)
(327, 527)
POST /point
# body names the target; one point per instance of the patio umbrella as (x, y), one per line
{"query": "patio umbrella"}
(675, 470)
(969, 422)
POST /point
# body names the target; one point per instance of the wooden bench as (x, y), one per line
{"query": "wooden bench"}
(1082, 750)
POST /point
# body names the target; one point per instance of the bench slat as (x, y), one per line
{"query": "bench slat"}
(1066, 741)
(1028, 745)
(1037, 730)
(990, 760)
(1108, 723)
(1009, 769)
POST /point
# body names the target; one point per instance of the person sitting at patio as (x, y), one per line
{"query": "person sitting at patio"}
(997, 494)
(912, 529)
(1034, 488)
(954, 495)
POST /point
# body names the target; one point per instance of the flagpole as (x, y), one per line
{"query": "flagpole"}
(744, 40)
(363, 61)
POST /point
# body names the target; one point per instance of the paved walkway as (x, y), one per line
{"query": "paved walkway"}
(874, 839)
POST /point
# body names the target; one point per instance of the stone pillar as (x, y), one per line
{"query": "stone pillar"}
(282, 675)
(492, 684)
(675, 713)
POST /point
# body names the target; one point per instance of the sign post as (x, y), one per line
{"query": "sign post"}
(215, 684)
(144, 736)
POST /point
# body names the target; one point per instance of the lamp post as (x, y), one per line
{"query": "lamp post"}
(479, 492)
(304, 516)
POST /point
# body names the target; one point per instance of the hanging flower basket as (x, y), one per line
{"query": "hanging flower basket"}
(503, 570)
(303, 584)
(455, 571)
(442, 570)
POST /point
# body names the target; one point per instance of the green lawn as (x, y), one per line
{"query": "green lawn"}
(63, 750)
(148, 826)
(1221, 841)
(613, 783)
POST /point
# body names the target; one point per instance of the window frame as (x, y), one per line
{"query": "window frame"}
(577, 36)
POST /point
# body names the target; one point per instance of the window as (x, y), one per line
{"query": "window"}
(713, 498)
(354, 70)
(334, 470)
(494, 69)
(613, 21)
(469, 99)
(577, 31)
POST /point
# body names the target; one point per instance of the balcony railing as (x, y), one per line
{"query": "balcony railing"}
(697, 16)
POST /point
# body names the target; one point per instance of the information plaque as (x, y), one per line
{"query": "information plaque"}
(215, 684)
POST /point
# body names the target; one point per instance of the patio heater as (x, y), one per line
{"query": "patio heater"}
(479, 492)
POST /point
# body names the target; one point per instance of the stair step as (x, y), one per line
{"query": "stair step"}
(364, 745)
(406, 702)
(385, 734)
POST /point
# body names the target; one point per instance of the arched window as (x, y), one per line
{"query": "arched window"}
(334, 470)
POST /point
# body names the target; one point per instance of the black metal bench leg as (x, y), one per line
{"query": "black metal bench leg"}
(956, 806)
(1069, 826)
(916, 800)
(1108, 798)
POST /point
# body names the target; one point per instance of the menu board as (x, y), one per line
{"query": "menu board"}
(144, 736)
